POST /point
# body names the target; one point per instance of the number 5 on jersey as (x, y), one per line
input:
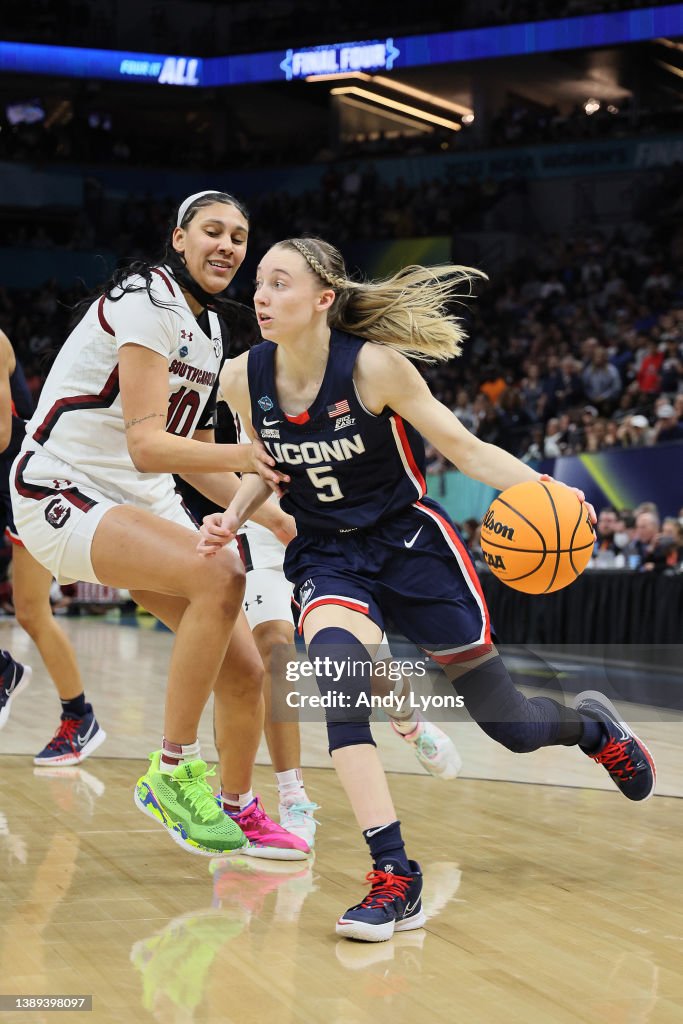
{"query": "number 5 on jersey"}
(327, 486)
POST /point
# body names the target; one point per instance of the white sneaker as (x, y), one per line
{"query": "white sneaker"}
(433, 748)
(297, 817)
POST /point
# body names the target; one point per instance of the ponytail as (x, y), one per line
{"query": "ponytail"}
(410, 311)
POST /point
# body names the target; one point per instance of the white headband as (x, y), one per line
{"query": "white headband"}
(186, 203)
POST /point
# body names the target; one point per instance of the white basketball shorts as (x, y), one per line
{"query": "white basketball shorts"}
(57, 510)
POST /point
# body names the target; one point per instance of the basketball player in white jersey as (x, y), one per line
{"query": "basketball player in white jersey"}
(123, 408)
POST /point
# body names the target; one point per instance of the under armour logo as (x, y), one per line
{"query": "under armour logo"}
(186, 335)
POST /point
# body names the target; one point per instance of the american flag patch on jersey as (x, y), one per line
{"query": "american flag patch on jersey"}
(338, 409)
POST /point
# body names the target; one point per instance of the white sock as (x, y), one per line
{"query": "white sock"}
(173, 754)
(290, 784)
(235, 802)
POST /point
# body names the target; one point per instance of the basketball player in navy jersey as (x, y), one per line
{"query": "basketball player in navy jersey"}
(79, 732)
(341, 410)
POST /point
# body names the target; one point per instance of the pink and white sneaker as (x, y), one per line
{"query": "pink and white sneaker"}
(268, 840)
(433, 748)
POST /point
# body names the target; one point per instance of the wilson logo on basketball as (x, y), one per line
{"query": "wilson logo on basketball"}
(492, 524)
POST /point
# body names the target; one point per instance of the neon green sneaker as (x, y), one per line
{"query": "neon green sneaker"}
(184, 803)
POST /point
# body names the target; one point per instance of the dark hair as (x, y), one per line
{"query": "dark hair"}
(235, 314)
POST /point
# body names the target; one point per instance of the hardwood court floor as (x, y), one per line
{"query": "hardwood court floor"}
(545, 903)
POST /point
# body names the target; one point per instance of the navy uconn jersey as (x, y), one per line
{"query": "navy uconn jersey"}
(349, 469)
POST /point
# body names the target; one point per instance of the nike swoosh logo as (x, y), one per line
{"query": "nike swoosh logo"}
(13, 685)
(82, 740)
(410, 907)
(374, 831)
(409, 543)
(270, 423)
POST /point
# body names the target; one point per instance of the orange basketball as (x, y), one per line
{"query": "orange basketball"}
(537, 537)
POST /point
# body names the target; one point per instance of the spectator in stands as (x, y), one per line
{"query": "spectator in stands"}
(555, 440)
(463, 409)
(601, 381)
(641, 550)
(649, 374)
(489, 429)
(672, 366)
(493, 383)
(563, 387)
(514, 420)
(672, 529)
(608, 552)
(667, 427)
(634, 432)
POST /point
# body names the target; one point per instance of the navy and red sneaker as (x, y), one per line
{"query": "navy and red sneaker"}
(394, 904)
(14, 677)
(76, 738)
(626, 758)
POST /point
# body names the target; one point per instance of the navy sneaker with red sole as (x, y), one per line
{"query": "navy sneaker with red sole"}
(625, 757)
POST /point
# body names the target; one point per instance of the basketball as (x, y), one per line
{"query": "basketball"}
(537, 537)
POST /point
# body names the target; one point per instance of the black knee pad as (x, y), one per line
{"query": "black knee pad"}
(344, 674)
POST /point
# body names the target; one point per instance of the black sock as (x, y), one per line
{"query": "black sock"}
(387, 847)
(76, 707)
(593, 736)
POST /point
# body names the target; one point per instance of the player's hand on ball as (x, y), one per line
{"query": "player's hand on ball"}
(217, 530)
(545, 477)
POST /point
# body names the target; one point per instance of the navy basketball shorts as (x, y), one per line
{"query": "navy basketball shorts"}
(411, 571)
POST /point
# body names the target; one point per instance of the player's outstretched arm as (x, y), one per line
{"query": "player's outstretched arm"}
(387, 378)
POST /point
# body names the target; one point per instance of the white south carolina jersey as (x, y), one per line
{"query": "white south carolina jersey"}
(79, 418)
(259, 547)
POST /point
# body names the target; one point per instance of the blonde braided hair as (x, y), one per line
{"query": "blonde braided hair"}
(410, 312)
(314, 263)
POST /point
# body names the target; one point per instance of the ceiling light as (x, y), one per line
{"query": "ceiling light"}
(591, 106)
(404, 108)
(420, 94)
(391, 83)
(372, 109)
(671, 68)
